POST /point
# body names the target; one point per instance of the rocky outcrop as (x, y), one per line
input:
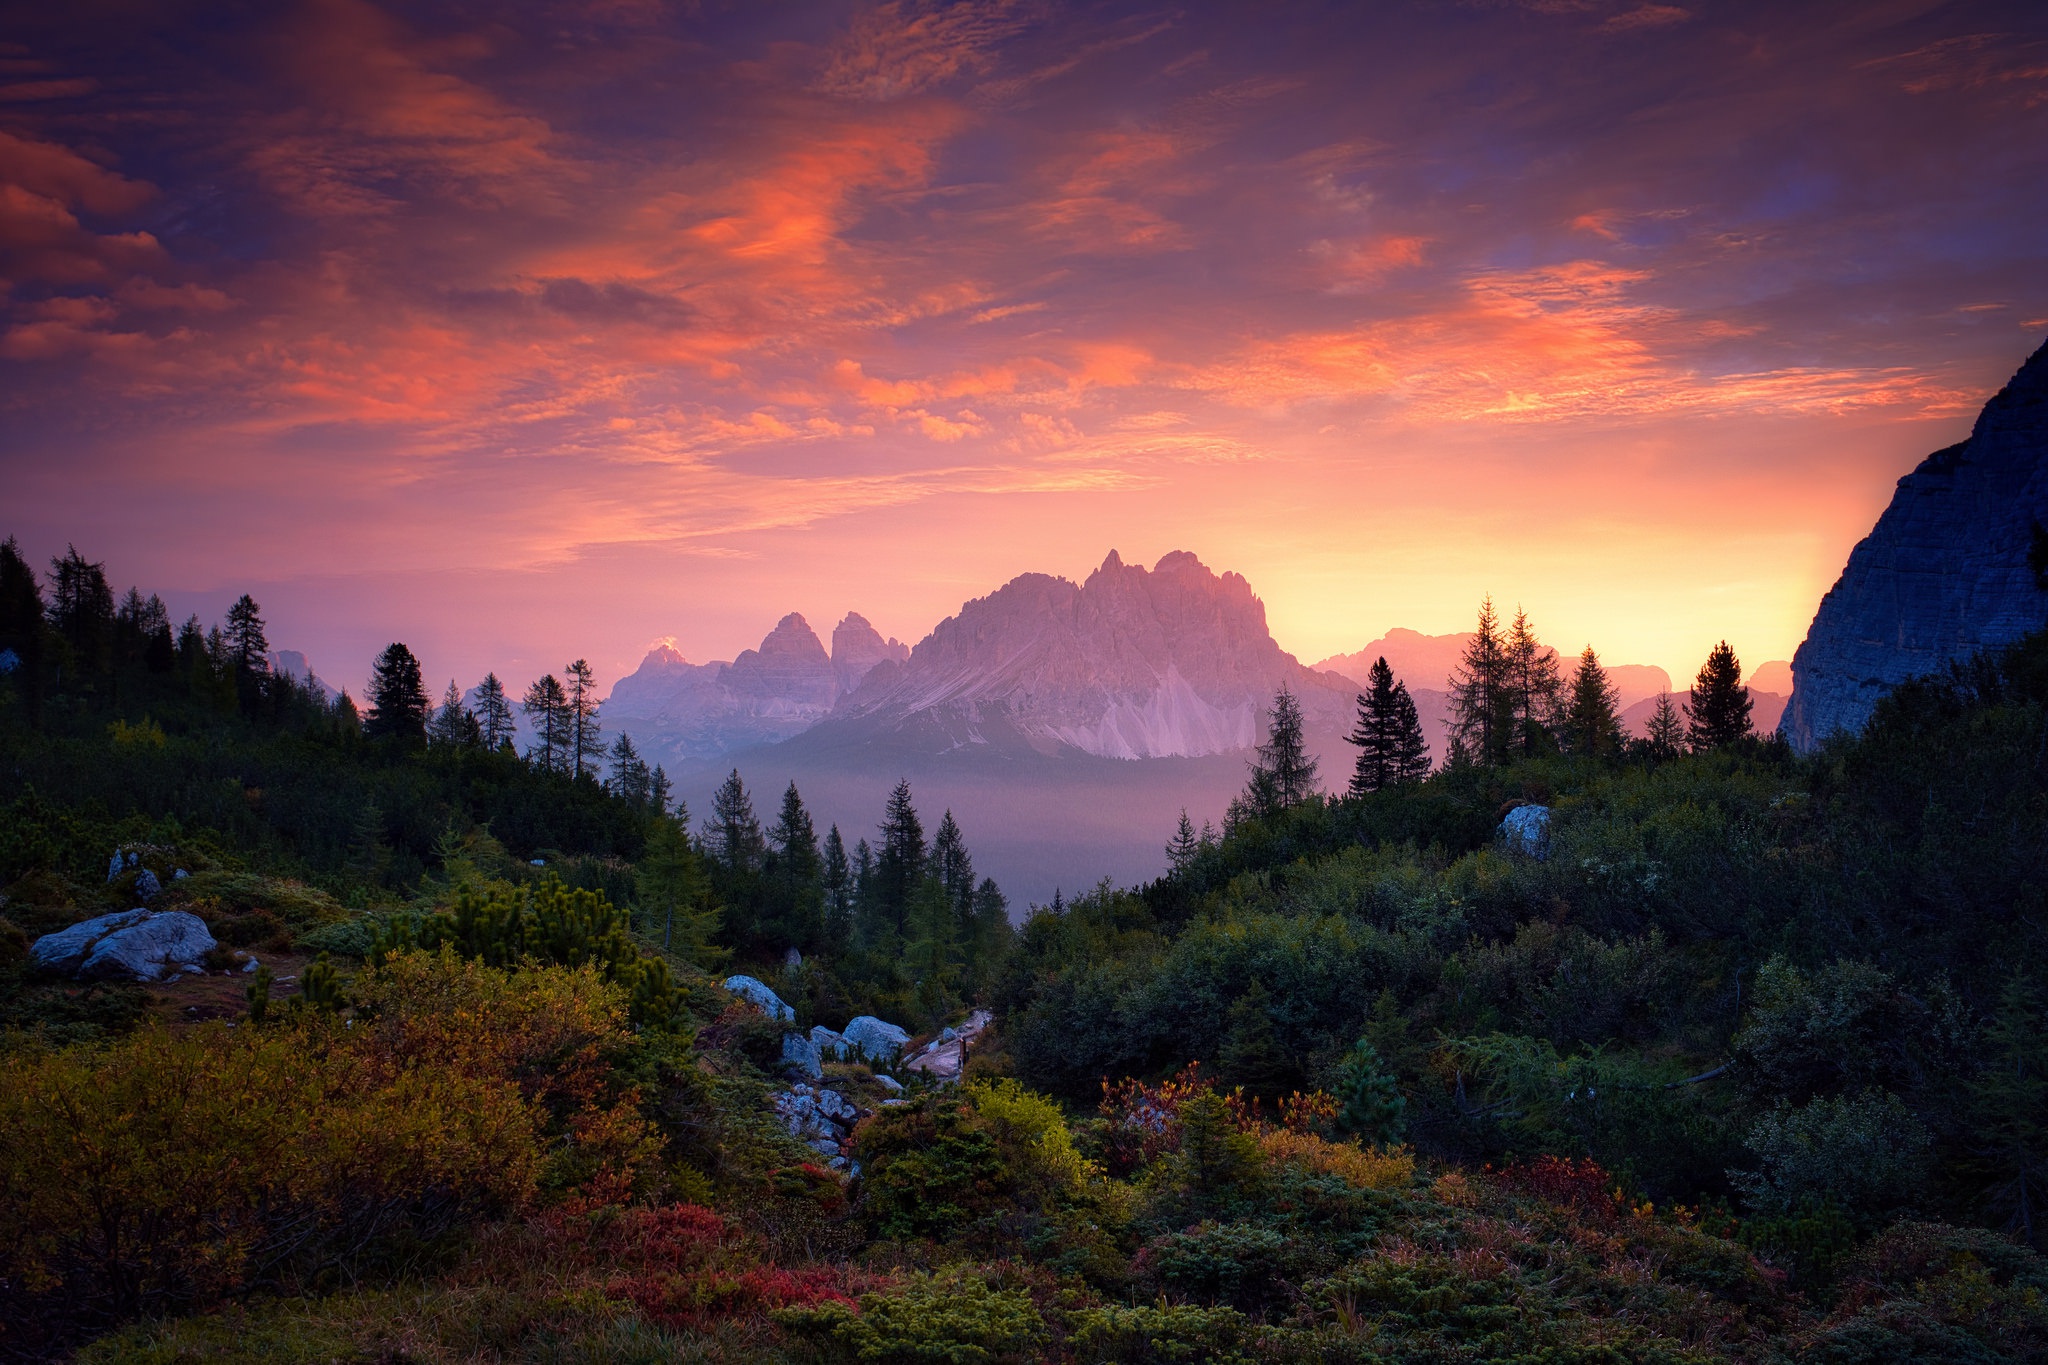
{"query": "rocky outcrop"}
(1942, 575)
(1526, 830)
(789, 674)
(131, 945)
(875, 1038)
(820, 1118)
(771, 1004)
(944, 1058)
(857, 647)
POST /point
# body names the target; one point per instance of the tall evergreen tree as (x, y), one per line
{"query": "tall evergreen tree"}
(952, 866)
(1535, 691)
(245, 636)
(398, 698)
(583, 748)
(494, 713)
(795, 876)
(732, 832)
(1183, 847)
(899, 866)
(676, 906)
(1284, 774)
(1665, 734)
(659, 789)
(82, 611)
(1482, 706)
(630, 778)
(837, 877)
(2008, 1112)
(1391, 749)
(1592, 721)
(1720, 703)
(21, 625)
(452, 724)
(546, 706)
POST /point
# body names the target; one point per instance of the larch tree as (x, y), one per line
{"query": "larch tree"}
(250, 646)
(1182, 849)
(398, 698)
(630, 778)
(1535, 692)
(546, 706)
(1482, 711)
(1592, 720)
(1665, 734)
(1720, 703)
(494, 713)
(583, 739)
(452, 723)
(82, 610)
(1284, 774)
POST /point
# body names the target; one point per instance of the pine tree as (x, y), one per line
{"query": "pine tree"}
(953, 867)
(1482, 710)
(1665, 736)
(1535, 692)
(1372, 1107)
(398, 698)
(584, 750)
(1391, 749)
(546, 706)
(82, 611)
(494, 713)
(1284, 774)
(659, 789)
(452, 723)
(247, 640)
(1592, 722)
(1182, 849)
(1720, 703)
(732, 833)
(675, 897)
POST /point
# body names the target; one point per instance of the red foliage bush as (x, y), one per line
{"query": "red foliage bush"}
(1582, 1184)
(693, 1300)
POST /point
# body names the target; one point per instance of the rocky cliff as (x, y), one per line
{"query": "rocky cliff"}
(1941, 576)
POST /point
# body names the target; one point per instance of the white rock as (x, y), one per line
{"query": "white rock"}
(876, 1038)
(828, 1041)
(891, 1084)
(67, 949)
(801, 1054)
(1527, 830)
(133, 945)
(771, 1004)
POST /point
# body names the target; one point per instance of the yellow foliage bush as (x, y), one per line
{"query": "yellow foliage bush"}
(1032, 1131)
(169, 1167)
(1364, 1168)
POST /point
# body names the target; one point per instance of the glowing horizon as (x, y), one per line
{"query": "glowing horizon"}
(544, 338)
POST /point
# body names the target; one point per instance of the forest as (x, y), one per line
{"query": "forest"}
(1712, 1052)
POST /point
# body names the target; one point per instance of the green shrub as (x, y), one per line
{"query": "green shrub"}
(1231, 1263)
(930, 1168)
(1159, 1334)
(951, 1318)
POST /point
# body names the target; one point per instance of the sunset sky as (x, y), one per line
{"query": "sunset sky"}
(523, 338)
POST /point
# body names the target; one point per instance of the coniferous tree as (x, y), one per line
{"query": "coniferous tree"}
(867, 916)
(1720, 703)
(676, 905)
(398, 698)
(452, 723)
(2008, 1113)
(1391, 749)
(1482, 709)
(546, 706)
(1665, 735)
(1373, 1108)
(82, 611)
(953, 867)
(1182, 849)
(1284, 774)
(21, 624)
(989, 933)
(732, 832)
(1251, 1055)
(585, 752)
(795, 875)
(246, 638)
(837, 878)
(630, 778)
(1535, 692)
(494, 713)
(1592, 722)
(899, 866)
(659, 789)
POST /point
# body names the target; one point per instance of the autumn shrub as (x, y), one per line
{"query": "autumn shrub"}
(952, 1317)
(1364, 1168)
(1581, 1184)
(931, 1168)
(1032, 1132)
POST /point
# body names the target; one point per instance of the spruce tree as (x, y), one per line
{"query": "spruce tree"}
(1665, 735)
(796, 915)
(988, 934)
(1182, 849)
(676, 905)
(1592, 722)
(1391, 749)
(398, 698)
(630, 778)
(659, 789)
(732, 833)
(1720, 703)
(452, 722)
(1251, 1055)
(2007, 1116)
(21, 625)
(82, 611)
(953, 867)
(1373, 1108)
(900, 863)
(245, 636)
(583, 734)
(1284, 774)
(546, 706)
(837, 878)
(1482, 710)
(1408, 755)
(1535, 693)
(494, 713)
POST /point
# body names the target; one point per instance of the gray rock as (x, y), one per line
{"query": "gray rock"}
(834, 1105)
(1941, 576)
(1527, 830)
(147, 887)
(179, 875)
(828, 1041)
(876, 1038)
(251, 965)
(801, 1055)
(771, 1004)
(67, 949)
(891, 1084)
(114, 865)
(155, 948)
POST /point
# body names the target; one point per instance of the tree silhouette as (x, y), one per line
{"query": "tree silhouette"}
(1482, 706)
(1391, 749)
(398, 698)
(546, 706)
(1284, 774)
(493, 713)
(1720, 703)
(1592, 719)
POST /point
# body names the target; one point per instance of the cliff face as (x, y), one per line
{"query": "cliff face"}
(1941, 576)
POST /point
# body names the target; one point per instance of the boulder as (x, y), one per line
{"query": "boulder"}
(66, 950)
(801, 1055)
(771, 1004)
(830, 1042)
(1527, 830)
(133, 945)
(876, 1038)
(147, 887)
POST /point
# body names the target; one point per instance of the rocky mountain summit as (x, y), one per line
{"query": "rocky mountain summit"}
(1174, 661)
(1942, 575)
(679, 710)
